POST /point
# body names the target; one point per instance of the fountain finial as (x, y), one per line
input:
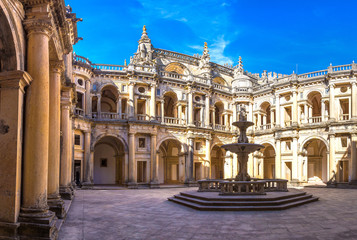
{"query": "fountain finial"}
(242, 113)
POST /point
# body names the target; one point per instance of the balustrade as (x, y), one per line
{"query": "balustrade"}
(171, 121)
(198, 123)
(142, 117)
(344, 117)
(79, 112)
(219, 127)
(242, 188)
(109, 115)
(211, 185)
(288, 123)
(317, 119)
(275, 185)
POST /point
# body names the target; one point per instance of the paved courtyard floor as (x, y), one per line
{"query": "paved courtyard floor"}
(146, 214)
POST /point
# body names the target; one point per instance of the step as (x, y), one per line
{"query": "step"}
(241, 197)
(241, 208)
(243, 203)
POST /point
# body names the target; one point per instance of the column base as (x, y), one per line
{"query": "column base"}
(37, 224)
(154, 184)
(56, 205)
(87, 185)
(191, 183)
(132, 185)
(9, 230)
(66, 192)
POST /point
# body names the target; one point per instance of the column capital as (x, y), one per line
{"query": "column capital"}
(332, 85)
(57, 66)
(15, 79)
(38, 27)
(354, 83)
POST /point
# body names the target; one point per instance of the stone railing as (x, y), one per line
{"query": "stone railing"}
(198, 123)
(142, 117)
(219, 127)
(79, 111)
(275, 185)
(344, 117)
(241, 90)
(264, 127)
(171, 75)
(221, 87)
(288, 123)
(176, 55)
(210, 185)
(108, 67)
(312, 74)
(317, 119)
(171, 120)
(124, 116)
(109, 115)
(342, 68)
(242, 188)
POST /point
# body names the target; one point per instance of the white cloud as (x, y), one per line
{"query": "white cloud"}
(217, 51)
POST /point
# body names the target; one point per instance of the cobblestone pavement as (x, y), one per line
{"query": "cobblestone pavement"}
(146, 214)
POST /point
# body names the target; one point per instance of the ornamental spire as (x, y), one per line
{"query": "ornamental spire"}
(144, 36)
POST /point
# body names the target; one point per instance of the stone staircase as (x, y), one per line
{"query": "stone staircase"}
(211, 201)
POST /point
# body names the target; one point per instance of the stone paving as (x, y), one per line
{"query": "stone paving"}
(146, 214)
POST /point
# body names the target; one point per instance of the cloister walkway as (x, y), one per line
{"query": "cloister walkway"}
(146, 214)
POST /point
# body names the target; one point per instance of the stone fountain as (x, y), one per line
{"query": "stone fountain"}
(243, 148)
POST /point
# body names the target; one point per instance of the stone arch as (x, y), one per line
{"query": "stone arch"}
(170, 101)
(268, 170)
(120, 138)
(266, 143)
(12, 41)
(177, 68)
(183, 145)
(220, 80)
(109, 95)
(312, 138)
(217, 161)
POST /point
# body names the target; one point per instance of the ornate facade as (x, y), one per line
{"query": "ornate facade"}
(160, 119)
(163, 117)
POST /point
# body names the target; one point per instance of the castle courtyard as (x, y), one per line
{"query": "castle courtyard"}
(146, 214)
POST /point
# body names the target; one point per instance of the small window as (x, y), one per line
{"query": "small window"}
(77, 139)
(103, 162)
(142, 143)
(343, 89)
(197, 99)
(141, 90)
(198, 146)
(123, 88)
(301, 95)
(183, 96)
(288, 145)
(344, 142)
(158, 92)
(80, 82)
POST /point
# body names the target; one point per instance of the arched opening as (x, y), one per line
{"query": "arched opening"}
(108, 102)
(314, 112)
(219, 80)
(266, 115)
(316, 166)
(219, 108)
(217, 162)
(8, 61)
(269, 161)
(171, 167)
(170, 101)
(176, 68)
(109, 157)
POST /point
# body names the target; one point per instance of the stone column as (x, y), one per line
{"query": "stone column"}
(154, 162)
(153, 102)
(207, 106)
(332, 102)
(88, 164)
(179, 113)
(278, 159)
(132, 162)
(277, 110)
(234, 113)
(190, 107)
(131, 101)
(162, 111)
(208, 155)
(353, 160)
(119, 110)
(55, 202)
(213, 118)
(99, 110)
(295, 109)
(272, 118)
(225, 120)
(306, 112)
(88, 100)
(332, 163)
(189, 162)
(354, 101)
(322, 110)
(294, 170)
(66, 154)
(310, 113)
(250, 115)
(11, 139)
(34, 210)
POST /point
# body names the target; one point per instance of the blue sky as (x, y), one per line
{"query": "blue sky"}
(270, 35)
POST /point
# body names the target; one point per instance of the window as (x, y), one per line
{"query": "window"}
(344, 142)
(288, 145)
(141, 90)
(197, 99)
(183, 96)
(123, 88)
(158, 92)
(142, 143)
(103, 162)
(80, 82)
(301, 95)
(77, 139)
(198, 146)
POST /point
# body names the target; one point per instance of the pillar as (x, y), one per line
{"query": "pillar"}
(354, 101)
(306, 112)
(132, 162)
(213, 118)
(66, 154)
(99, 110)
(310, 113)
(272, 114)
(179, 113)
(162, 111)
(295, 109)
(153, 102)
(131, 101)
(323, 110)
(11, 125)
(234, 113)
(277, 110)
(278, 159)
(88, 164)
(119, 110)
(55, 202)
(353, 161)
(88, 105)
(207, 106)
(189, 162)
(208, 155)
(332, 163)
(294, 170)
(332, 102)
(250, 114)
(154, 162)
(190, 107)
(225, 120)
(34, 209)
